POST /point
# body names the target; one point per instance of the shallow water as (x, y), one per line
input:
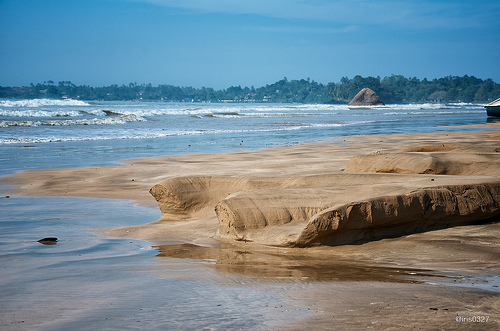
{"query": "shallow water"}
(291, 265)
(87, 281)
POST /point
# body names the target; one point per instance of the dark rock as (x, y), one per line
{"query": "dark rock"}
(366, 97)
(48, 241)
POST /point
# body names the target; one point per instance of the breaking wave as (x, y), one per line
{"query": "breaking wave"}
(93, 121)
(33, 103)
(48, 120)
(40, 113)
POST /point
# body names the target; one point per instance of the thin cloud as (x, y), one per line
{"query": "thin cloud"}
(409, 14)
(296, 29)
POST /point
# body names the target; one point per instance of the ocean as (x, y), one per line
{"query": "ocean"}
(44, 133)
(89, 281)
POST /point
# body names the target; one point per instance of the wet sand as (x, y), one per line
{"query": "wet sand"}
(423, 280)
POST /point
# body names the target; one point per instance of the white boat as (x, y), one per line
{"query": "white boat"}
(493, 108)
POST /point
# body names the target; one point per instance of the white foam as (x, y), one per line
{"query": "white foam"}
(40, 113)
(42, 102)
(48, 108)
(234, 110)
(167, 119)
(93, 121)
(95, 138)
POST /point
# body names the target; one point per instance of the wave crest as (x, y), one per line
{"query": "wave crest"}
(93, 121)
(41, 102)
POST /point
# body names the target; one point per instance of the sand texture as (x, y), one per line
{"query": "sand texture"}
(346, 191)
(348, 207)
(327, 209)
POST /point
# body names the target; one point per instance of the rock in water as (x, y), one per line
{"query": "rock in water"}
(366, 97)
(48, 241)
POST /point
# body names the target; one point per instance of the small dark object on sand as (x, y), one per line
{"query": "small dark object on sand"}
(48, 241)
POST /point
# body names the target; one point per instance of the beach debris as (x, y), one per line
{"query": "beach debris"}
(366, 97)
(48, 241)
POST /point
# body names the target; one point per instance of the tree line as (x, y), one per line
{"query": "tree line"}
(391, 89)
(399, 89)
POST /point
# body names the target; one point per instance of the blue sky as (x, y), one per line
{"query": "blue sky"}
(219, 43)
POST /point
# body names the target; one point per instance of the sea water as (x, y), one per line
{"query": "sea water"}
(89, 281)
(44, 133)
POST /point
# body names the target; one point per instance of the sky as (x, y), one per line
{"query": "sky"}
(222, 43)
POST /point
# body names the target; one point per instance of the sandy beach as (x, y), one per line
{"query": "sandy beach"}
(388, 261)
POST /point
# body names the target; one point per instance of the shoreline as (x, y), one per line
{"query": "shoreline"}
(323, 161)
(114, 182)
(429, 263)
(133, 179)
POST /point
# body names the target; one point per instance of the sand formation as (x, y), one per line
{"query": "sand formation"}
(366, 97)
(378, 195)
(315, 194)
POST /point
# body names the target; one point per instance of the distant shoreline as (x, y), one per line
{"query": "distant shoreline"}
(394, 89)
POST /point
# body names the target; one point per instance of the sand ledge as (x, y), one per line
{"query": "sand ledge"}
(336, 208)
(325, 209)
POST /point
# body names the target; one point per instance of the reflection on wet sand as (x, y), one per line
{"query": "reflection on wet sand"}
(290, 265)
